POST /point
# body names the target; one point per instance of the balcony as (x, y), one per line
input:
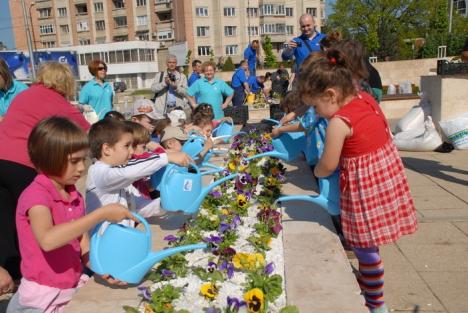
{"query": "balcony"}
(161, 6)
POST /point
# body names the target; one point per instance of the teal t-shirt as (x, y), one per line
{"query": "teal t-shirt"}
(211, 93)
(98, 96)
(7, 97)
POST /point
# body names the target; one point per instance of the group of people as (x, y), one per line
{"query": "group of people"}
(45, 141)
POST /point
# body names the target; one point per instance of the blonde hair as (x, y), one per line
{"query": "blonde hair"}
(140, 134)
(57, 76)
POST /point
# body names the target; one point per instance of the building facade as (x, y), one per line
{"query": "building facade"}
(210, 27)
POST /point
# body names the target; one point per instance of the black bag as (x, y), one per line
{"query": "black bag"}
(262, 127)
(239, 114)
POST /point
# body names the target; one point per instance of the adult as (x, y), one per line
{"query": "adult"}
(210, 90)
(196, 74)
(239, 84)
(251, 55)
(97, 93)
(280, 80)
(46, 98)
(9, 88)
(170, 88)
(256, 83)
(309, 41)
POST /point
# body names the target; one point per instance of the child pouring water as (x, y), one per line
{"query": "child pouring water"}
(376, 205)
(51, 221)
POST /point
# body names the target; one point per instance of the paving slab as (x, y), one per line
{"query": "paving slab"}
(450, 289)
(463, 226)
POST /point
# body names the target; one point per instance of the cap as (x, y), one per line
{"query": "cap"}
(177, 117)
(173, 132)
(146, 106)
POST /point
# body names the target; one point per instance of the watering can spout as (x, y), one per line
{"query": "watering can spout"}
(273, 154)
(208, 188)
(319, 200)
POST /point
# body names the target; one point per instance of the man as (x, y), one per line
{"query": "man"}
(308, 42)
(239, 84)
(250, 54)
(280, 81)
(170, 88)
(197, 70)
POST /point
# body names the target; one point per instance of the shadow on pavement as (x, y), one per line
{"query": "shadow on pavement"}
(435, 169)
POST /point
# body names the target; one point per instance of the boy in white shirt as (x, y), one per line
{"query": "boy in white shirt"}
(110, 178)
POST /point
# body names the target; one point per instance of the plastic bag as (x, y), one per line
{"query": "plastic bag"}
(90, 115)
(391, 90)
(456, 131)
(428, 141)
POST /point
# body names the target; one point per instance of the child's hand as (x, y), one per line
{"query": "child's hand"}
(276, 132)
(6, 282)
(179, 158)
(208, 144)
(153, 145)
(115, 212)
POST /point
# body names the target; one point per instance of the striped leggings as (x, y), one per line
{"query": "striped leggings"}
(371, 275)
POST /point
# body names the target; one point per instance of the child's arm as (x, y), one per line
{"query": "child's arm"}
(50, 236)
(337, 132)
(208, 145)
(287, 129)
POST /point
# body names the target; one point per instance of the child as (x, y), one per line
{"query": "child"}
(173, 138)
(114, 115)
(51, 220)
(376, 205)
(159, 126)
(145, 114)
(110, 178)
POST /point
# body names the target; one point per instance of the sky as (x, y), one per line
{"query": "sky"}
(328, 9)
(6, 31)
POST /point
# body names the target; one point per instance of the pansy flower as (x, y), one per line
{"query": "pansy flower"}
(209, 291)
(255, 300)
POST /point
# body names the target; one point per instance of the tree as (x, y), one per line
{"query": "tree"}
(188, 59)
(270, 58)
(228, 65)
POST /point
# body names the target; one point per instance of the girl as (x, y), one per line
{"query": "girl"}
(52, 227)
(376, 205)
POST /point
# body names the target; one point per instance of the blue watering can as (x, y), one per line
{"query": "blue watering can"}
(125, 252)
(224, 130)
(194, 146)
(329, 197)
(182, 190)
(287, 147)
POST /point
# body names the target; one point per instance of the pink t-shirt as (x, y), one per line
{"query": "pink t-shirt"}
(59, 268)
(26, 110)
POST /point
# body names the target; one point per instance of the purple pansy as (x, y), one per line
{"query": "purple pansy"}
(171, 238)
(269, 268)
(223, 227)
(167, 273)
(213, 239)
(228, 267)
(216, 194)
(235, 304)
(145, 292)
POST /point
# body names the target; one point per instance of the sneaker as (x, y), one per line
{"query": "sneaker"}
(380, 309)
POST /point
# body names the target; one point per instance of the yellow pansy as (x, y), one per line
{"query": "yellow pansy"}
(241, 201)
(270, 181)
(224, 212)
(232, 166)
(209, 291)
(255, 300)
(241, 260)
(267, 136)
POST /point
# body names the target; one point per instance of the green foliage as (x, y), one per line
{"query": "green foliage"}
(176, 263)
(289, 309)
(390, 27)
(212, 56)
(228, 65)
(270, 285)
(187, 62)
(270, 58)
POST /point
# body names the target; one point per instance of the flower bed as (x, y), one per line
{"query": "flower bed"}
(243, 269)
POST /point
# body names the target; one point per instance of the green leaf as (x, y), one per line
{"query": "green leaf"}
(289, 309)
(129, 309)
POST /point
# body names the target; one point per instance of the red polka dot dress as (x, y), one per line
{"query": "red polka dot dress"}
(376, 204)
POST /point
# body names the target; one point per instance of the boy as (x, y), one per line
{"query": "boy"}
(145, 114)
(110, 178)
(173, 138)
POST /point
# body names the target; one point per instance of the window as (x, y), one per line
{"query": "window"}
(289, 12)
(229, 11)
(279, 9)
(273, 28)
(45, 13)
(48, 44)
(46, 29)
(120, 21)
(143, 36)
(460, 6)
(289, 30)
(266, 9)
(102, 40)
(204, 50)
(140, 3)
(252, 12)
(82, 26)
(84, 42)
(119, 4)
(203, 31)
(117, 39)
(100, 25)
(64, 29)
(146, 55)
(165, 35)
(81, 9)
(62, 12)
(201, 11)
(142, 20)
(252, 30)
(98, 7)
(230, 30)
(231, 50)
(312, 11)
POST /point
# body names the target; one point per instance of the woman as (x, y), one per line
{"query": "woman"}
(9, 88)
(47, 97)
(97, 92)
(210, 90)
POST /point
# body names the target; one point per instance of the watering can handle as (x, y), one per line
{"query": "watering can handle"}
(194, 166)
(141, 219)
(273, 121)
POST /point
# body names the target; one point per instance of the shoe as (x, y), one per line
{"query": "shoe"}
(380, 309)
